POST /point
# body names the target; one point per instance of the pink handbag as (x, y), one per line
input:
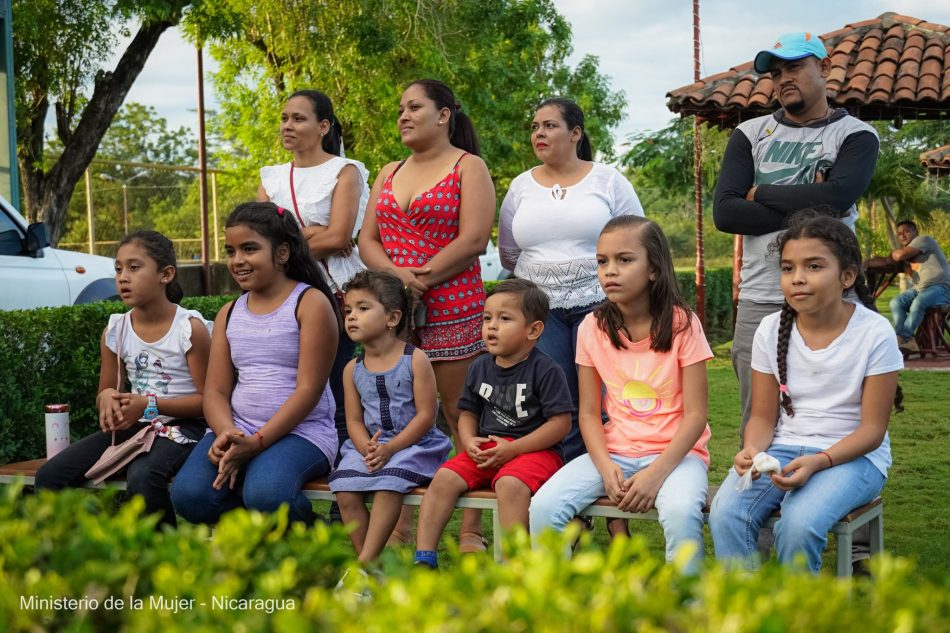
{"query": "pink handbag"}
(117, 457)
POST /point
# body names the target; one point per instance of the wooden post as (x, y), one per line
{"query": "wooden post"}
(203, 178)
(214, 214)
(698, 182)
(90, 216)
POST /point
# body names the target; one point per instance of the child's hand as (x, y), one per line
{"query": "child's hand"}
(370, 443)
(219, 447)
(473, 447)
(743, 462)
(377, 457)
(242, 449)
(642, 488)
(108, 410)
(131, 409)
(499, 454)
(614, 483)
(798, 471)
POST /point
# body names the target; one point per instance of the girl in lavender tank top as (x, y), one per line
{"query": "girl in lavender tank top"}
(266, 396)
(393, 444)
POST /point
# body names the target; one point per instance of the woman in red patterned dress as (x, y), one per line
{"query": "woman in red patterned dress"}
(428, 219)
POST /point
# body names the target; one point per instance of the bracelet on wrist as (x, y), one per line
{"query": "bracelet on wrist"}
(831, 462)
(260, 439)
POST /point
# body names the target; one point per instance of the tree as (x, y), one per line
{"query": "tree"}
(59, 49)
(660, 165)
(153, 197)
(501, 57)
(899, 183)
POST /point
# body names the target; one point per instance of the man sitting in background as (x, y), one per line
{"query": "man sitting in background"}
(930, 278)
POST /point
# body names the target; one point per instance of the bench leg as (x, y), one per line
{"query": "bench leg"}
(496, 534)
(844, 553)
(877, 534)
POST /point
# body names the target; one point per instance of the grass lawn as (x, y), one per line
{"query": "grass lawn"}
(916, 496)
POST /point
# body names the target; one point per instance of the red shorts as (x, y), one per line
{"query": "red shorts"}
(532, 469)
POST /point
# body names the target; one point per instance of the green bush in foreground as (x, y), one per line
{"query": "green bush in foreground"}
(256, 573)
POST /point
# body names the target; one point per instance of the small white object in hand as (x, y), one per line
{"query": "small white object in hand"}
(762, 463)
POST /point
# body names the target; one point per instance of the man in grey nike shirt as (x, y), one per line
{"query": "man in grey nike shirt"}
(804, 154)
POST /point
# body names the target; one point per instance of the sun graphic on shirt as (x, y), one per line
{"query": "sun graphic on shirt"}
(637, 394)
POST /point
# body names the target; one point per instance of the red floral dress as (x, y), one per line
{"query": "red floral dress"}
(453, 327)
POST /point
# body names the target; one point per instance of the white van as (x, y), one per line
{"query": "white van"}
(32, 274)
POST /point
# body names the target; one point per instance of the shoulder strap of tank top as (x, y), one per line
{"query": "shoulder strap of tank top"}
(227, 319)
(456, 166)
(398, 167)
(297, 307)
(408, 349)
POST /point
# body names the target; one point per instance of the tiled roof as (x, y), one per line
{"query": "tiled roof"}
(891, 67)
(937, 161)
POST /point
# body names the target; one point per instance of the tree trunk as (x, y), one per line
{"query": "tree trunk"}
(47, 194)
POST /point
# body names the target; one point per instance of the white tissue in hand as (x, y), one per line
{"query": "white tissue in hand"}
(762, 463)
(765, 463)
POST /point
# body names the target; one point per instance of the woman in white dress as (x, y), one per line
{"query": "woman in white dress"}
(327, 193)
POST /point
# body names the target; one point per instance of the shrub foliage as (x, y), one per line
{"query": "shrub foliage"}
(258, 573)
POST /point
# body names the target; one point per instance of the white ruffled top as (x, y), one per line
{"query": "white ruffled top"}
(314, 191)
(159, 367)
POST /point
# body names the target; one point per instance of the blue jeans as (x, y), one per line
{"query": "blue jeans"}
(807, 513)
(269, 479)
(559, 341)
(679, 502)
(908, 308)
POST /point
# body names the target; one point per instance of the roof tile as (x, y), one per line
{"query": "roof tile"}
(880, 68)
(937, 160)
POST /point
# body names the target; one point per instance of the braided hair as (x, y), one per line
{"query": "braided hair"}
(820, 223)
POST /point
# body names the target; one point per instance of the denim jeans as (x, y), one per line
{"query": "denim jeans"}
(807, 512)
(908, 308)
(559, 341)
(269, 479)
(679, 502)
(147, 475)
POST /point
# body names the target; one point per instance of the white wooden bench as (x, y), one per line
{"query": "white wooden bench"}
(871, 513)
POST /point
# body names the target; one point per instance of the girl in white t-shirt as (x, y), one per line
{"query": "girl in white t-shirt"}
(548, 228)
(162, 349)
(832, 365)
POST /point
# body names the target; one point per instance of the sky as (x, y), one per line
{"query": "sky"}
(644, 47)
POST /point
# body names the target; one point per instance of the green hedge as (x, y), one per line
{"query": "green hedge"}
(244, 575)
(51, 355)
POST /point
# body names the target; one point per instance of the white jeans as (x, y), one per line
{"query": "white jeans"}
(679, 502)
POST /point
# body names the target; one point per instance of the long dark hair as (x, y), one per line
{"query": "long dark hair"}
(461, 129)
(159, 248)
(573, 117)
(323, 109)
(820, 223)
(669, 311)
(278, 226)
(386, 288)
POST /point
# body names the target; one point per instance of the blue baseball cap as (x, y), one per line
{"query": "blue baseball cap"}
(790, 46)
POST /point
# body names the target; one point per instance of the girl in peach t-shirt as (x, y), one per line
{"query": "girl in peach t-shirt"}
(645, 350)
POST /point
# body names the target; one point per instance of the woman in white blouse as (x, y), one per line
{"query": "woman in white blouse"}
(548, 228)
(327, 193)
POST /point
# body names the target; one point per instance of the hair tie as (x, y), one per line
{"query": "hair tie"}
(280, 211)
(783, 389)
